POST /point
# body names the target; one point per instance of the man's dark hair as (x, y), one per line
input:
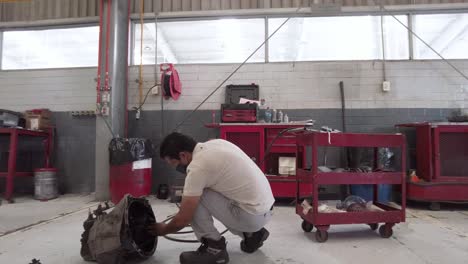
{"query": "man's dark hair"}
(175, 143)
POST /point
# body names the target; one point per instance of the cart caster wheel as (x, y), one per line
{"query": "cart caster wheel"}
(321, 236)
(374, 227)
(385, 231)
(434, 207)
(306, 226)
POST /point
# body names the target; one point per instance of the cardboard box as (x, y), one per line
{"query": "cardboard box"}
(287, 166)
(38, 119)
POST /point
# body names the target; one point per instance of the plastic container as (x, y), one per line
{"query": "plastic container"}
(45, 184)
(268, 115)
(366, 191)
(280, 116)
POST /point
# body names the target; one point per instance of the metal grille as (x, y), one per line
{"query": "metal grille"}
(453, 154)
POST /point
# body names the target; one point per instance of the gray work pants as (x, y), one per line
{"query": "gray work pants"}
(237, 220)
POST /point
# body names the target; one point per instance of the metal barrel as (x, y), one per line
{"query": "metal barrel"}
(45, 184)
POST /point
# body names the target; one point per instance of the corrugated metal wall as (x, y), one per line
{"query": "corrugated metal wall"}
(28, 10)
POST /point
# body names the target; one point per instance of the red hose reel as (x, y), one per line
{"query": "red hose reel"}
(170, 83)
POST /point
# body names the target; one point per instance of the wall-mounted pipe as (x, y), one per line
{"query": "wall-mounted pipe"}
(118, 65)
(113, 64)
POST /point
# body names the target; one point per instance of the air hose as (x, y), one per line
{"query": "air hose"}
(182, 232)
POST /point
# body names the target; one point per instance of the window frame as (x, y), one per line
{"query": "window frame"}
(134, 21)
(415, 40)
(377, 15)
(39, 28)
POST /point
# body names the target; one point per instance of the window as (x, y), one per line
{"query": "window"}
(208, 41)
(396, 37)
(50, 48)
(337, 38)
(446, 33)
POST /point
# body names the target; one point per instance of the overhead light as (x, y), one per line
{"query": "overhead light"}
(147, 48)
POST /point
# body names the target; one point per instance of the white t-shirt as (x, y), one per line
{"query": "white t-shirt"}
(223, 167)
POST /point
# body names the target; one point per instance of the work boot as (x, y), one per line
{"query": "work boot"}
(209, 252)
(253, 241)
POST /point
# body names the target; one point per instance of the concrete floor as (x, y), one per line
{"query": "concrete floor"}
(426, 237)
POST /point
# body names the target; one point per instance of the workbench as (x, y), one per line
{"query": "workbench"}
(260, 142)
(15, 135)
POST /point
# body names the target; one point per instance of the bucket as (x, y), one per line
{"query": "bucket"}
(134, 178)
(366, 192)
(45, 184)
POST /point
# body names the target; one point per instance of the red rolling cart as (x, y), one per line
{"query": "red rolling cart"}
(388, 214)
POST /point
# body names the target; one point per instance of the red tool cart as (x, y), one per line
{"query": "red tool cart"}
(440, 156)
(389, 214)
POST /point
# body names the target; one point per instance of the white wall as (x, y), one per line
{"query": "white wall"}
(415, 84)
(56, 89)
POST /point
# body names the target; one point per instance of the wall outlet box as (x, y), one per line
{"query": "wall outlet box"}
(386, 86)
(155, 90)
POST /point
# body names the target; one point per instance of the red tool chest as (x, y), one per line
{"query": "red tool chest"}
(440, 154)
(254, 139)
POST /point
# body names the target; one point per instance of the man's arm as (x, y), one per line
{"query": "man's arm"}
(182, 219)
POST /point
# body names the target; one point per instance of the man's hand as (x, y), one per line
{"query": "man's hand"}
(181, 219)
(158, 229)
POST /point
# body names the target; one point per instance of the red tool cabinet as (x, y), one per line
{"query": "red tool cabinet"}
(441, 157)
(255, 138)
(387, 214)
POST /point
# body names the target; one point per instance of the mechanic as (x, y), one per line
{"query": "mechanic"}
(221, 182)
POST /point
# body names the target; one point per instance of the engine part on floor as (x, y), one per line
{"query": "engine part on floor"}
(35, 261)
(352, 203)
(170, 82)
(119, 235)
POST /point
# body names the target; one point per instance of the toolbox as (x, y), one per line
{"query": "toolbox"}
(11, 119)
(232, 111)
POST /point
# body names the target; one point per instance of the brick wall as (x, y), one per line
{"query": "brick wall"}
(304, 85)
